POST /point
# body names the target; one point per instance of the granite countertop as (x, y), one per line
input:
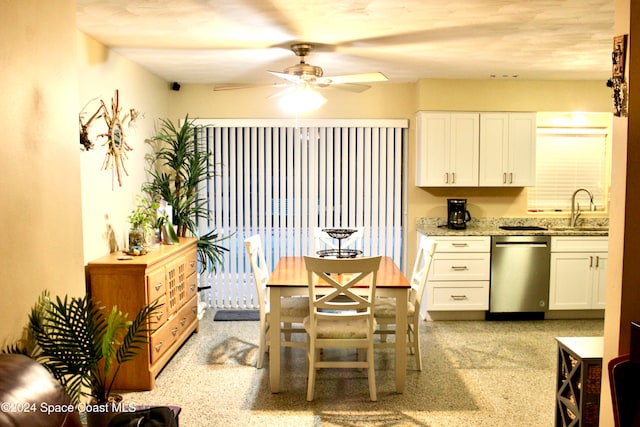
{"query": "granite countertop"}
(491, 227)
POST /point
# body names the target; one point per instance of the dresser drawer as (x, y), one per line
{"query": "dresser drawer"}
(191, 286)
(465, 266)
(163, 338)
(463, 244)
(161, 315)
(187, 315)
(191, 263)
(459, 296)
(155, 284)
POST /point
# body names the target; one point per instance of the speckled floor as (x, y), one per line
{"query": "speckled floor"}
(475, 373)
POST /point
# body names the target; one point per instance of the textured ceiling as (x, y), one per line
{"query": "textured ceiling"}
(236, 42)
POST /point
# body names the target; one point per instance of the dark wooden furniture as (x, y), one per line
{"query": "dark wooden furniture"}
(578, 381)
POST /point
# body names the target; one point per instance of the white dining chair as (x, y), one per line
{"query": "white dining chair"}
(323, 241)
(293, 309)
(385, 308)
(340, 318)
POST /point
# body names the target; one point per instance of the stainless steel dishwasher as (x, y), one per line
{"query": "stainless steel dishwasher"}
(519, 274)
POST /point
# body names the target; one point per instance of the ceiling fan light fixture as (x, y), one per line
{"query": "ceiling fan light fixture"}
(301, 99)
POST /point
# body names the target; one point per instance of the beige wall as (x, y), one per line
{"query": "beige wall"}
(40, 180)
(386, 100)
(623, 273)
(104, 202)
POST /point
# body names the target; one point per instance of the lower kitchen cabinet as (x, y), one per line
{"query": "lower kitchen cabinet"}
(578, 272)
(167, 274)
(459, 275)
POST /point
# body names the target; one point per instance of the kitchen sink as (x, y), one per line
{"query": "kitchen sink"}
(585, 228)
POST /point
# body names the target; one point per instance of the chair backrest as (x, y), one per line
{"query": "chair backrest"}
(321, 240)
(259, 267)
(426, 249)
(332, 283)
(624, 377)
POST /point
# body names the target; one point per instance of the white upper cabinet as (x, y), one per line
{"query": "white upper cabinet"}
(507, 149)
(447, 149)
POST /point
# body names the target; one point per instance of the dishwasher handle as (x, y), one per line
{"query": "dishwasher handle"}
(522, 244)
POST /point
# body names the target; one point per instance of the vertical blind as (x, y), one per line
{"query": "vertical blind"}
(280, 180)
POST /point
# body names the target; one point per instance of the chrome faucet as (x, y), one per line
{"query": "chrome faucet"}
(576, 213)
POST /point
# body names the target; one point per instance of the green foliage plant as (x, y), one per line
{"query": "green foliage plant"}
(83, 345)
(179, 168)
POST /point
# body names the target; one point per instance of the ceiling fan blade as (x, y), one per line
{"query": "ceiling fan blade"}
(351, 87)
(222, 88)
(290, 77)
(354, 78)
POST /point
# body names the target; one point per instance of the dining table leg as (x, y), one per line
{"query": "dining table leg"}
(274, 338)
(401, 338)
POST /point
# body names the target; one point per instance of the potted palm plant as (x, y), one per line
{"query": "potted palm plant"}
(83, 345)
(178, 169)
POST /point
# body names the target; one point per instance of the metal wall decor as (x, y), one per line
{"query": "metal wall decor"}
(116, 143)
(617, 81)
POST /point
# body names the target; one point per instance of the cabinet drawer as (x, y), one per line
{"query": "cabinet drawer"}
(463, 244)
(162, 339)
(158, 319)
(473, 295)
(191, 263)
(191, 286)
(155, 284)
(468, 266)
(187, 315)
(579, 244)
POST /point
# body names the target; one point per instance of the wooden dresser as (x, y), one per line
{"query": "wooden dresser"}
(168, 274)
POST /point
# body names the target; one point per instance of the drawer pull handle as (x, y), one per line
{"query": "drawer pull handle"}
(459, 297)
(174, 331)
(192, 288)
(459, 245)
(159, 346)
(459, 267)
(158, 286)
(192, 264)
(183, 321)
(194, 310)
(159, 316)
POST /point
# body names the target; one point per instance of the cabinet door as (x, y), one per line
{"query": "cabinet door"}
(600, 280)
(464, 150)
(447, 149)
(570, 287)
(494, 149)
(507, 149)
(433, 138)
(522, 149)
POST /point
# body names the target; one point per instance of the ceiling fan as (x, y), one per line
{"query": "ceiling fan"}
(312, 75)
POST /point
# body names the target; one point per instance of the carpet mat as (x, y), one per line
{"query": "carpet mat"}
(236, 315)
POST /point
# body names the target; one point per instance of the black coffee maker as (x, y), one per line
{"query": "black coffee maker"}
(457, 213)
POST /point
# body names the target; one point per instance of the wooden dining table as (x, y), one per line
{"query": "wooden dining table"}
(289, 278)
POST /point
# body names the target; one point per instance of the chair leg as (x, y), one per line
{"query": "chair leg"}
(383, 337)
(371, 374)
(287, 335)
(416, 343)
(311, 376)
(262, 346)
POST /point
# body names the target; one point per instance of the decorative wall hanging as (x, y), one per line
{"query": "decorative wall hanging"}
(116, 144)
(617, 81)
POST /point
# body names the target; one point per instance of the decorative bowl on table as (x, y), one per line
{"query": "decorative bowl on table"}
(339, 234)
